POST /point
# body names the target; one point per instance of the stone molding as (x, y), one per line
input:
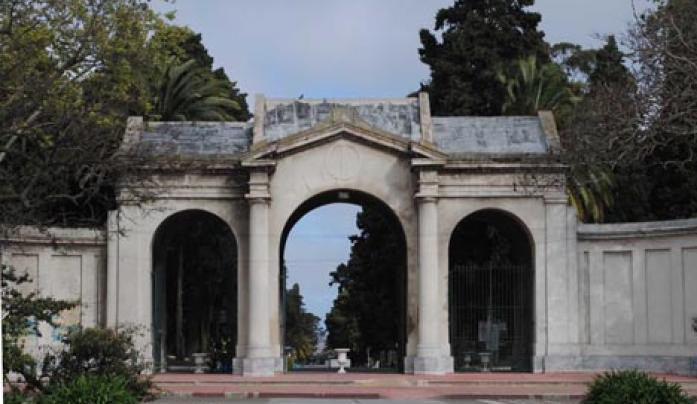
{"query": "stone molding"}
(615, 231)
(82, 236)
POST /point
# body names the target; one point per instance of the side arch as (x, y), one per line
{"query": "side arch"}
(491, 292)
(194, 306)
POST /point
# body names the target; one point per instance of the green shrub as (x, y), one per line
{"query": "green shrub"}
(633, 387)
(90, 389)
(101, 352)
(14, 397)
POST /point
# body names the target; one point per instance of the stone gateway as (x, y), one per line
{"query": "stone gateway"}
(499, 275)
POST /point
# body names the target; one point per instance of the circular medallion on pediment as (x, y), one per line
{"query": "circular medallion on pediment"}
(343, 161)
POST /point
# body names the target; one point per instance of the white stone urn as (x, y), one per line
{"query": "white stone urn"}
(200, 362)
(341, 359)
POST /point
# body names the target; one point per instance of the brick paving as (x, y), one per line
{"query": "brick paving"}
(564, 385)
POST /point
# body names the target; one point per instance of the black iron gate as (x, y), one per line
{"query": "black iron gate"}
(491, 317)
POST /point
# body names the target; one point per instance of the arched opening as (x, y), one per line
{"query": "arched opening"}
(490, 285)
(368, 313)
(194, 292)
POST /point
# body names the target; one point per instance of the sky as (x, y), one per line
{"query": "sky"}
(349, 48)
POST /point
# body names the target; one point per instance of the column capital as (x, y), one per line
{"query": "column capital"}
(425, 197)
(259, 182)
(557, 198)
(428, 183)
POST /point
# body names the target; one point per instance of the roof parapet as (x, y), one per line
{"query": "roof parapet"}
(549, 128)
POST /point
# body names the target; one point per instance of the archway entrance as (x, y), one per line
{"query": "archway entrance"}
(194, 292)
(368, 313)
(490, 284)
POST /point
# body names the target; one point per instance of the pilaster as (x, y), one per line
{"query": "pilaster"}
(258, 360)
(429, 350)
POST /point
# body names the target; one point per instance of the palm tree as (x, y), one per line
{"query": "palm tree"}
(184, 93)
(534, 88)
(590, 192)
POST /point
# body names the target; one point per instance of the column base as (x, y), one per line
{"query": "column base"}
(237, 366)
(433, 365)
(259, 366)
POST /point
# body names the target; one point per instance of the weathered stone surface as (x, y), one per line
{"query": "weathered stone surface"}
(205, 139)
(489, 135)
(286, 117)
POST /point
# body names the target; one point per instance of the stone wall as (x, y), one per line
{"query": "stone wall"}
(638, 296)
(66, 264)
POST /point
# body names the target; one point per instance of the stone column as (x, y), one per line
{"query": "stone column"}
(430, 357)
(112, 277)
(428, 278)
(258, 361)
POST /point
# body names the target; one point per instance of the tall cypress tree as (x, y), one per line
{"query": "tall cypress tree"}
(479, 38)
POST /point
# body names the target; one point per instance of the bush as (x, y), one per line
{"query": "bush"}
(99, 352)
(14, 397)
(91, 389)
(633, 387)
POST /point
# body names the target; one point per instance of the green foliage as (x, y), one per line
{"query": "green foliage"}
(176, 45)
(72, 72)
(633, 387)
(609, 68)
(590, 191)
(90, 389)
(367, 314)
(14, 397)
(22, 314)
(531, 89)
(185, 94)
(301, 326)
(479, 37)
(99, 352)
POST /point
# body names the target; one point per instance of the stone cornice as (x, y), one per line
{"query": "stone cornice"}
(616, 231)
(57, 236)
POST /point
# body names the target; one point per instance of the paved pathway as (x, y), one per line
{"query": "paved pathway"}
(199, 400)
(551, 387)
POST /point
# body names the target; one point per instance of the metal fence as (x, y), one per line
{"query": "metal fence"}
(491, 321)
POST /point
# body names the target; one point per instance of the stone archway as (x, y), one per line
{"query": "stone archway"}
(194, 291)
(389, 283)
(491, 293)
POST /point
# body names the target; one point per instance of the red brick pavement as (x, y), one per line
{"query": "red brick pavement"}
(375, 385)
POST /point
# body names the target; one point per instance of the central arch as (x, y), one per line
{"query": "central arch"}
(389, 348)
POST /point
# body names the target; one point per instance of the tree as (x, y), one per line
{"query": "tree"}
(479, 37)
(184, 94)
(72, 72)
(367, 314)
(534, 88)
(665, 43)
(177, 45)
(642, 123)
(302, 327)
(609, 68)
(21, 315)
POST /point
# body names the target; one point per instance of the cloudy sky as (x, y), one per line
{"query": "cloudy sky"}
(348, 48)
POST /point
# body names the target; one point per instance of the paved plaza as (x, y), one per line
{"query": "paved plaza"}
(203, 400)
(562, 387)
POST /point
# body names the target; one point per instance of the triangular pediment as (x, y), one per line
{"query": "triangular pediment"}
(344, 123)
